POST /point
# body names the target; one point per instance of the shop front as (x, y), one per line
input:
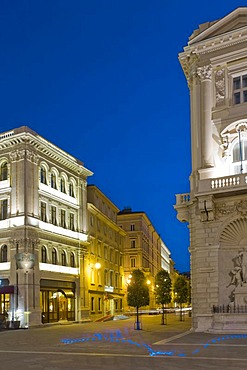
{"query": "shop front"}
(57, 300)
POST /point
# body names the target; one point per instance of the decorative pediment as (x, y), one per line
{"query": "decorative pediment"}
(233, 21)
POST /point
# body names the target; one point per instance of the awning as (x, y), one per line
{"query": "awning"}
(8, 289)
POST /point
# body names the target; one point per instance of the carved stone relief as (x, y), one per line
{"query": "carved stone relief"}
(205, 72)
(220, 87)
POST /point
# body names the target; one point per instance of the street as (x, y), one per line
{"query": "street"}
(115, 344)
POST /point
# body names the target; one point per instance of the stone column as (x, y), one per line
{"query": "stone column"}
(205, 74)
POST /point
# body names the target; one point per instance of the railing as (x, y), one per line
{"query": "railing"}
(182, 199)
(229, 309)
(226, 182)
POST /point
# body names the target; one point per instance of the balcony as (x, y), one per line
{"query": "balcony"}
(227, 185)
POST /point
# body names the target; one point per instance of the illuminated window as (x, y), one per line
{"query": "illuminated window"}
(43, 211)
(63, 258)
(240, 89)
(53, 215)
(4, 209)
(54, 256)
(72, 259)
(53, 181)
(44, 254)
(43, 175)
(239, 156)
(62, 186)
(4, 171)
(63, 218)
(3, 255)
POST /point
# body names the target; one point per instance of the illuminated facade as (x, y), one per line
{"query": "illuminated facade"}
(104, 263)
(215, 65)
(44, 232)
(144, 248)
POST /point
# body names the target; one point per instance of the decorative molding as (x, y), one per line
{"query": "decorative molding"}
(220, 87)
(222, 209)
(242, 207)
(235, 232)
(205, 72)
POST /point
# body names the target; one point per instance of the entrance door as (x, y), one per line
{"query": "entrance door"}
(62, 307)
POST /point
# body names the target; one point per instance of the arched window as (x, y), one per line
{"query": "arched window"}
(4, 171)
(72, 259)
(3, 253)
(63, 258)
(54, 256)
(53, 181)
(62, 185)
(71, 189)
(43, 175)
(239, 156)
(44, 254)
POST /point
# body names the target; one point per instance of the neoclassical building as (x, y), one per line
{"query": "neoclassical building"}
(215, 65)
(43, 230)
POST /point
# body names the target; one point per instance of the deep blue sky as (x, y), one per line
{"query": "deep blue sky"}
(101, 80)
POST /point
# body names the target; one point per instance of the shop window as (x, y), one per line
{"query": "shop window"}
(54, 256)
(4, 209)
(4, 171)
(3, 255)
(44, 254)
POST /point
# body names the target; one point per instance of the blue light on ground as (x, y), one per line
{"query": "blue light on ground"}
(117, 337)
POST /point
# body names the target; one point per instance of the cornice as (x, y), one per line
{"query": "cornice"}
(43, 148)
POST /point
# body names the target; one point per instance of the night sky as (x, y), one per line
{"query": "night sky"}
(101, 80)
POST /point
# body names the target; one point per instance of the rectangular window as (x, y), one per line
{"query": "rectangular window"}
(53, 215)
(132, 227)
(240, 89)
(132, 243)
(133, 262)
(92, 303)
(43, 211)
(72, 221)
(4, 209)
(63, 218)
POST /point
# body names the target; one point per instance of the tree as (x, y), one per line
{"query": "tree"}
(181, 292)
(137, 293)
(163, 286)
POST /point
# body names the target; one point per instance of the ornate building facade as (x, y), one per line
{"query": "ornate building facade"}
(215, 65)
(43, 230)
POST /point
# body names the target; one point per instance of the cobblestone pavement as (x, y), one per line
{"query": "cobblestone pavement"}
(117, 345)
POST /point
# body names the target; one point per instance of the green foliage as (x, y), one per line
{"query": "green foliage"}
(163, 287)
(137, 291)
(181, 290)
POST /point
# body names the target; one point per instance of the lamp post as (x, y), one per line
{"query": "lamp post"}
(25, 261)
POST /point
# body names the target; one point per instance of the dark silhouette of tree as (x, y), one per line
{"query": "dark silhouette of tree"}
(163, 286)
(137, 293)
(181, 292)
